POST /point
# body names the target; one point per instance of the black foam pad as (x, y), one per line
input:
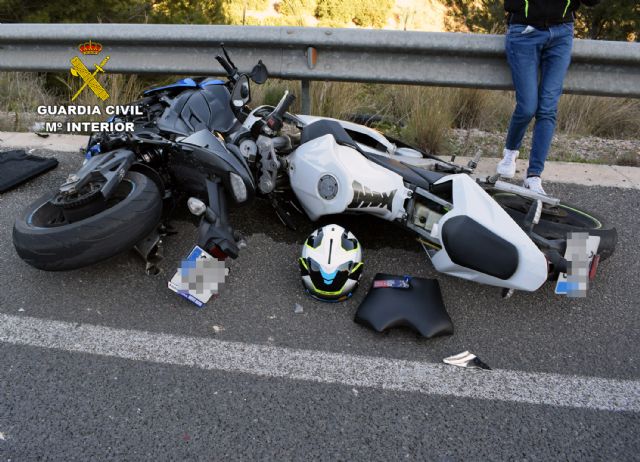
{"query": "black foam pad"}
(17, 167)
(419, 307)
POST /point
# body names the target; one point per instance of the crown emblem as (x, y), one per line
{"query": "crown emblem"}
(90, 48)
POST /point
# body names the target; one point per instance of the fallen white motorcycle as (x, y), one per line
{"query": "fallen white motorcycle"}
(488, 231)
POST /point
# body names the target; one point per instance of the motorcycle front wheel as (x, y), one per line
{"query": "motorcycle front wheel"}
(557, 221)
(44, 239)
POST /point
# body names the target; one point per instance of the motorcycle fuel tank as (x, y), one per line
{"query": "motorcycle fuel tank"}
(328, 178)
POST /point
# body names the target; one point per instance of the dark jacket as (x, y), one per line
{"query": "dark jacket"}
(543, 13)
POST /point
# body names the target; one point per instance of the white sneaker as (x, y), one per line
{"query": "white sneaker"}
(534, 183)
(507, 166)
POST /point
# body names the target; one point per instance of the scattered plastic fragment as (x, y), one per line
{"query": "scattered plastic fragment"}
(2, 437)
(21, 310)
(466, 359)
(37, 127)
(355, 392)
(217, 329)
(298, 308)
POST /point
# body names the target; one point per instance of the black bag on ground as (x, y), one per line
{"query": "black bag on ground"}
(16, 167)
(419, 307)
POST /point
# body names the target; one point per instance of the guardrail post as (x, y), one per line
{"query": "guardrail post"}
(306, 98)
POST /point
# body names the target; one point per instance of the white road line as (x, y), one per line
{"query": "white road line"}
(324, 367)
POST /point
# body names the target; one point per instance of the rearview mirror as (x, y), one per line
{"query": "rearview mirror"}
(259, 73)
(241, 94)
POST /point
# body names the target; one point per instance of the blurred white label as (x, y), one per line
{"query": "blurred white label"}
(199, 277)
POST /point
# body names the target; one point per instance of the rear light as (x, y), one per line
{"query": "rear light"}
(217, 252)
(594, 267)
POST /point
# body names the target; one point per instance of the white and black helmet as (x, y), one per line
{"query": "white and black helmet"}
(331, 263)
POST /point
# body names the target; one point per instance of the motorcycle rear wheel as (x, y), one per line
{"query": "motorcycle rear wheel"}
(556, 222)
(44, 240)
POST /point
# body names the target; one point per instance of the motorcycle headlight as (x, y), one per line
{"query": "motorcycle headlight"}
(238, 187)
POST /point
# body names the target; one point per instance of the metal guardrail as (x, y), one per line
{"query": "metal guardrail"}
(426, 58)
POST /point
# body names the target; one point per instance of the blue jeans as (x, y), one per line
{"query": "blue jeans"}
(539, 61)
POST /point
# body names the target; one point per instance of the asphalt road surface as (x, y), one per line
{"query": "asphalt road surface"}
(107, 363)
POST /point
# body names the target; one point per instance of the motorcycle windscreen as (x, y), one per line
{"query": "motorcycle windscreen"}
(194, 110)
(482, 243)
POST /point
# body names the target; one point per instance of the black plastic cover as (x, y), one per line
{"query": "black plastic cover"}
(411, 174)
(327, 127)
(420, 307)
(195, 110)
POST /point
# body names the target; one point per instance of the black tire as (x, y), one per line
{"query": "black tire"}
(556, 222)
(110, 232)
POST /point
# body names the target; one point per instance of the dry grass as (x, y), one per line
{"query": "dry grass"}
(272, 90)
(20, 95)
(328, 99)
(426, 114)
(422, 115)
(23, 92)
(599, 116)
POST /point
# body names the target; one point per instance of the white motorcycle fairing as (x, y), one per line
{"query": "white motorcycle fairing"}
(328, 178)
(470, 201)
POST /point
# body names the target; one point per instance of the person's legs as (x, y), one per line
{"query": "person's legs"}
(554, 62)
(523, 55)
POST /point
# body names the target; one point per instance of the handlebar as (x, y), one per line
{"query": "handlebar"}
(284, 104)
(231, 71)
(274, 120)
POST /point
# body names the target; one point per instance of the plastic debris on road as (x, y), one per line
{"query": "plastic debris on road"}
(298, 308)
(466, 359)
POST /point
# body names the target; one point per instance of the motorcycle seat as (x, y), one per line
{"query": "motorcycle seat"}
(473, 246)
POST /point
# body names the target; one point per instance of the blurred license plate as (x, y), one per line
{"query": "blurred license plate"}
(198, 277)
(582, 255)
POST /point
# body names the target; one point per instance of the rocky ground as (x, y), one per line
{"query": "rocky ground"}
(570, 148)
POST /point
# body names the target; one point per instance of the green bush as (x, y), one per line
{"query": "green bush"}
(334, 12)
(372, 14)
(296, 8)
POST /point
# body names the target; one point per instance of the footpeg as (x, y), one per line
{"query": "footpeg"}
(473, 163)
(507, 293)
